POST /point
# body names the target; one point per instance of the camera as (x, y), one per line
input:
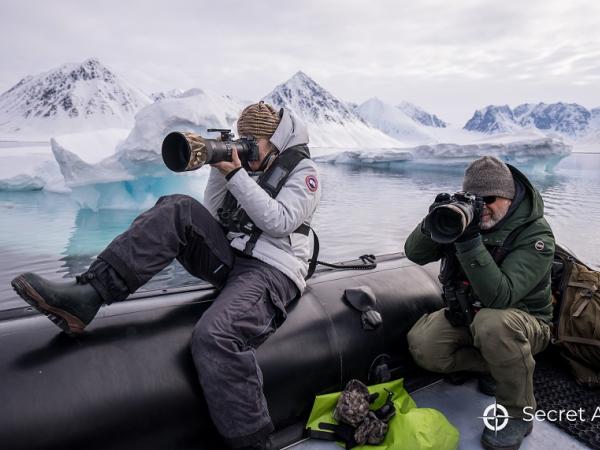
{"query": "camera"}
(184, 151)
(448, 220)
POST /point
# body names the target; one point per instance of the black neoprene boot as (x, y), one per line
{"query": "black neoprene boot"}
(508, 438)
(71, 306)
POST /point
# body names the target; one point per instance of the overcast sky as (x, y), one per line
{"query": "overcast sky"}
(450, 57)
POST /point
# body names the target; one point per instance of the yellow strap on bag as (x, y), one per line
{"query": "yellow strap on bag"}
(411, 428)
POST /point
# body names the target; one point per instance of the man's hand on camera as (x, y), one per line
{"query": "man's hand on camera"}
(473, 229)
(225, 167)
(440, 199)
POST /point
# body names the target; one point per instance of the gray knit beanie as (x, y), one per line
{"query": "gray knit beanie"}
(489, 176)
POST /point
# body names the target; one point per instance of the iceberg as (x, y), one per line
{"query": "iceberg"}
(88, 158)
(119, 168)
(538, 154)
(195, 110)
(29, 168)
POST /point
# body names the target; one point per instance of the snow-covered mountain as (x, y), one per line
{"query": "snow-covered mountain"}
(172, 93)
(331, 122)
(569, 119)
(72, 97)
(493, 119)
(420, 115)
(392, 121)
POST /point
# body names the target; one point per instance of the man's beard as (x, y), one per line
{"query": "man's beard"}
(495, 217)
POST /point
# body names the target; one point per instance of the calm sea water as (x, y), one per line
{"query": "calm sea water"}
(363, 210)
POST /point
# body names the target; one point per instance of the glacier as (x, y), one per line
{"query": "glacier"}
(540, 155)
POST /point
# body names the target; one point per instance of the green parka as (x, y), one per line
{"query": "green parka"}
(517, 282)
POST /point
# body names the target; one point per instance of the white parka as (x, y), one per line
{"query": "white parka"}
(278, 217)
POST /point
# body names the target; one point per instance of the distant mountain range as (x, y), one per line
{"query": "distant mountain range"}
(89, 96)
(421, 116)
(331, 122)
(568, 119)
(73, 97)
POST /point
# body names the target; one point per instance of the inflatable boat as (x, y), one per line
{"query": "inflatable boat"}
(129, 380)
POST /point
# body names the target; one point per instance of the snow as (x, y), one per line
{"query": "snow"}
(93, 147)
(392, 121)
(116, 155)
(104, 166)
(330, 121)
(196, 111)
(87, 158)
(420, 115)
(70, 98)
(569, 120)
(29, 168)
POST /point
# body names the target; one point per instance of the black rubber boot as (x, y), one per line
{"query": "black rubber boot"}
(71, 306)
(486, 385)
(508, 438)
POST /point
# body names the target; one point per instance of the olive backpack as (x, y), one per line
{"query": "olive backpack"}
(577, 320)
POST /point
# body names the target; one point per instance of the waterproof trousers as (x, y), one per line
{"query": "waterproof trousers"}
(500, 342)
(248, 309)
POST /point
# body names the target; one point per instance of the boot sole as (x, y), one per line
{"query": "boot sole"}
(62, 319)
(487, 446)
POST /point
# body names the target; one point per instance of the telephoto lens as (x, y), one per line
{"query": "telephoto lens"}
(448, 221)
(184, 151)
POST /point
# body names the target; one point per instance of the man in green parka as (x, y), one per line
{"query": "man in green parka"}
(502, 263)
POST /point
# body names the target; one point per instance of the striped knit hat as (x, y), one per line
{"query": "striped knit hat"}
(259, 120)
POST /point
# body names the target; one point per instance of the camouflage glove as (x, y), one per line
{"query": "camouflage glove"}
(372, 430)
(353, 405)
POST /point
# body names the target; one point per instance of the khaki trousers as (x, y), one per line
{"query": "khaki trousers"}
(501, 342)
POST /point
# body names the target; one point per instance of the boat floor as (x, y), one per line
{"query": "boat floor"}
(446, 398)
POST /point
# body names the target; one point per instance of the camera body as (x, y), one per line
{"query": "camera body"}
(452, 215)
(185, 151)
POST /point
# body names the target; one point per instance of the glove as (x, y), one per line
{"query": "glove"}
(372, 430)
(353, 405)
(472, 231)
(440, 199)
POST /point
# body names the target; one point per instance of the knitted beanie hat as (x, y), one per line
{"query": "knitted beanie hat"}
(489, 176)
(259, 120)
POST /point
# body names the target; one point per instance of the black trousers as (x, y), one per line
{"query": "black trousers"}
(248, 309)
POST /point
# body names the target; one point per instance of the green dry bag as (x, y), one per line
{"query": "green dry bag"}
(411, 428)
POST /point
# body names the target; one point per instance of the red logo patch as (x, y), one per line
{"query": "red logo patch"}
(311, 183)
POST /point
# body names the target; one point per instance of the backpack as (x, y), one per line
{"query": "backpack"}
(577, 327)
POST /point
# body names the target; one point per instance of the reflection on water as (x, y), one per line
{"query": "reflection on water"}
(363, 210)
